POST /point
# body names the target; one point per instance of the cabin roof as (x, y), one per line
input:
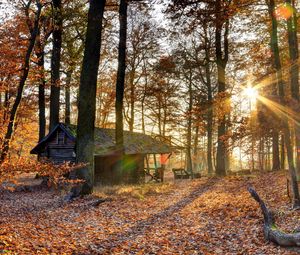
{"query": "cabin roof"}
(134, 143)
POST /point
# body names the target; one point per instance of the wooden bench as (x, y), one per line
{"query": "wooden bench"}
(180, 173)
(156, 174)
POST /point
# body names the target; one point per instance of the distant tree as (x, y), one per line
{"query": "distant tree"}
(162, 95)
(142, 47)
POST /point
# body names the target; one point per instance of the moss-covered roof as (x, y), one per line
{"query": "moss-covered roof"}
(134, 143)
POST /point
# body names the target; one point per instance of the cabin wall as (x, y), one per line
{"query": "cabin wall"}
(108, 173)
(60, 148)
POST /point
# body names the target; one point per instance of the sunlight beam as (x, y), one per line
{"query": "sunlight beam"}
(280, 109)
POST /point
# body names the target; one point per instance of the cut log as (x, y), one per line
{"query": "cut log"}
(271, 232)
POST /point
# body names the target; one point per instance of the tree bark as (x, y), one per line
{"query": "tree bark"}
(271, 232)
(280, 84)
(282, 154)
(68, 97)
(24, 74)
(277, 66)
(40, 53)
(294, 72)
(275, 151)
(189, 128)
(121, 75)
(55, 64)
(132, 99)
(87, 97)
(221, 59)
(210, 108)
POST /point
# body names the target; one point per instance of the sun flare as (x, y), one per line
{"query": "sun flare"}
(251, 93)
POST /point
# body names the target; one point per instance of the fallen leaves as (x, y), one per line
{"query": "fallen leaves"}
(207, 216)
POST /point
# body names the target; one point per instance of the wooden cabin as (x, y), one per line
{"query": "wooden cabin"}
(59, 146)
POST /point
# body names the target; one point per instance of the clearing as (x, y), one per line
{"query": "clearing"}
(206, 216)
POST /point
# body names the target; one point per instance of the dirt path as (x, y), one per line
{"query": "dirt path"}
(207, 216)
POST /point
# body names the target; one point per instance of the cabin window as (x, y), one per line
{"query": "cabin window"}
(61, 138)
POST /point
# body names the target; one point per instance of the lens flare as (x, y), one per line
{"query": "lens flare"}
(284, 11)
(251, 93)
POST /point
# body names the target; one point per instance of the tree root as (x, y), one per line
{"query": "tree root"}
(271, 232)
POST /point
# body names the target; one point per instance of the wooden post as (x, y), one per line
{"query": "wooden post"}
(155, 163)
(147, 163)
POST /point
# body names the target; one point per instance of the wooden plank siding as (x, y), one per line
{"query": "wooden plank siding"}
(60, 148)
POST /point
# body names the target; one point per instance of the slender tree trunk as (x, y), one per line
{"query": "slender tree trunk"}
(87, 97)
(164, 120)
(196, 141)
(189, 129)
(261, 154)
(23, 78)
(221, 66)
(159, 118)
(228, 151)
(55, 64)
(121, 75)
(294, 73)
(144, 96)
(280, 84)
(282, 153)
(68, 97)
(277, 65)
(210, 109)
(42, 82)
(275, 151)
(143, 112)
(132, 99)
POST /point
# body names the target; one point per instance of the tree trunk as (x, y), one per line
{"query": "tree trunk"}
(132, 99)
(23, 78)
(164, 118)
(282, 154)
(210, 108)
(87, 97)
(68, 97)
(159, 118)
(275, 151)
(271, 232)
(195, 152)
(221, 66)
(280, 84)
(189, 129)
(277, 66)
(42, 82)
(121, 75)
(55, 64)
(294, 73)
(261, 154)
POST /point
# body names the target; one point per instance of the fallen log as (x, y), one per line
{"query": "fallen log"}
(271, 232)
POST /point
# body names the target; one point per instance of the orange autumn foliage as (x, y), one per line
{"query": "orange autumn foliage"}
(10, 170)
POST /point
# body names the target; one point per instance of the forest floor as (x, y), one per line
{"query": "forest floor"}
(204, 216)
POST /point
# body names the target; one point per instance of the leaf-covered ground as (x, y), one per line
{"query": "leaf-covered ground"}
(206, 216)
